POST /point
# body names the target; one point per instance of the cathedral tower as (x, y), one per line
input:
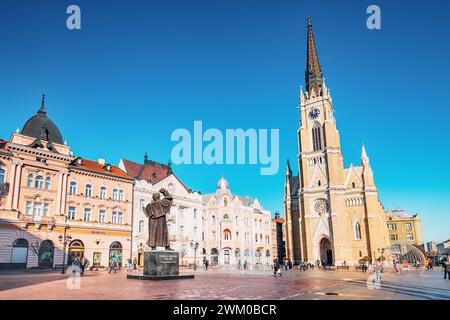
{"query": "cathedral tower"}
(339, 217)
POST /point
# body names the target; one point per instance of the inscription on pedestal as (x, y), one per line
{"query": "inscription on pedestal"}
(161, 263)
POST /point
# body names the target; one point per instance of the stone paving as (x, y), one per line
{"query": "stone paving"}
(226, 285)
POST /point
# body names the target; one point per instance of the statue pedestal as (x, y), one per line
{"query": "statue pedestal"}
(161, 265)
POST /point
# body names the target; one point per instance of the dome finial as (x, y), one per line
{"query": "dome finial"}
(42, 111)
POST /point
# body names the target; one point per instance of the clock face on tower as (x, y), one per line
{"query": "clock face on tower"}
(314, 113)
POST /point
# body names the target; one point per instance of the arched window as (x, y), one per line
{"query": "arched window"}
(353, 185)
(103, 193)
(30, 181)
(319, 183)
(141, 226)
(357, 231)
(88, 190)
(2, 176)
(317, 137)
(39, 182)
(73, 188)
(226, 217)
(227, 234)
(47, 183)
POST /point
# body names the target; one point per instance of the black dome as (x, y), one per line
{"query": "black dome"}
(41, 127)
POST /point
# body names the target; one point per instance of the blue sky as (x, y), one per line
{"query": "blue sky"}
(138, 70)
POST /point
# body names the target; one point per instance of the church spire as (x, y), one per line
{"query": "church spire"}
(313, 73)
(288, 168)
(364, 157)
(42, 111)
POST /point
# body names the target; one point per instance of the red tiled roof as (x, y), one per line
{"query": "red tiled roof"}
(94, 166)
(152, 171)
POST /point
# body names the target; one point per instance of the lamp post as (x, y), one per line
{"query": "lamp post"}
(64, 240)
(195, 246)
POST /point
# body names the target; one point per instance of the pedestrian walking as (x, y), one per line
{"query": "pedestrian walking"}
(206, 264)
(276, 268)
(245, 265)
(113, 265)
(84, 263)
(445, 264)
(286, 265)
(129, 264)
(134, 264)
(377, 269)
(290, 264)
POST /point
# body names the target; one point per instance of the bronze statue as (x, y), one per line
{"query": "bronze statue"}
(156, 211)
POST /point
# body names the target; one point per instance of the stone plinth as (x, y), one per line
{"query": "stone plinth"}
(161, 265)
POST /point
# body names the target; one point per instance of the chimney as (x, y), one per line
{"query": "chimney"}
(102, 161)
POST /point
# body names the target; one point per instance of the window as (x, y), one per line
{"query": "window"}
(319, 183)
(142, 204)
(121, 195)
(47, 183)
(88, 190)
(46, 206)
(195, 213)
(39, 182)
(141, 226)
(392, 226)
(2, 176)
(408, 226)
(360, 254)
(73, 188)
(214, 236)
(227, 234)
(357, 231)
(87, 214)
(103, 193)
(30, 181)
(317, 137)
(101, 216)
(256, 237)
(195, 232)
(181, 230)
(114, 217)
(409, 237)
(72, 213)
(353, 185)
(115, 195)
(120, 218)
(37, 210)
(28, 207)
(213, 219)
(394, 237)
(226, 217)
(237, 220)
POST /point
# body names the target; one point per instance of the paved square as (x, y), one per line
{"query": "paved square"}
(227, 285)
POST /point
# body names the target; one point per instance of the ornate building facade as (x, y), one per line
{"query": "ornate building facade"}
(47, 192)
(237, 229)
(333, 214)
(185, 221)
(404, 229)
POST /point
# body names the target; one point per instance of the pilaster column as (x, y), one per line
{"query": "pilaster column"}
(59, 196)
(12, 176)
(17, 185)
(65, 178)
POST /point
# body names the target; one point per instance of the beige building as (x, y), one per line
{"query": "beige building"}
(404, 229)
(47, 192)
(333, 214)
(185, 222)
(236, 229)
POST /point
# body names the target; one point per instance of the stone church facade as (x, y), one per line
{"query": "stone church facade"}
(333, 214)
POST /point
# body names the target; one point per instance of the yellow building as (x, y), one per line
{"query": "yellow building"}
(48, 193)
(404, 229)
(333, 214)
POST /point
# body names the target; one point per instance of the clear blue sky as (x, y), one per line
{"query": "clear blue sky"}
(140, 69)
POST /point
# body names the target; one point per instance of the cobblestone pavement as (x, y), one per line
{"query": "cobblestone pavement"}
(225, 284)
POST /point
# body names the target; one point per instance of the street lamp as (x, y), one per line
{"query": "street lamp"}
(64, 240)
(195, 246)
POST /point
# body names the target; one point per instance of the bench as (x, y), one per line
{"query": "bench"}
(343, 268)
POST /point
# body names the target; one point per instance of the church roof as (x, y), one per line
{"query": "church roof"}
(41, 127)
(294, 185)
